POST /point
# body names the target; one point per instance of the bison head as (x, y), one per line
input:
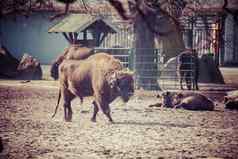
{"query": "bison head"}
(29, 68)
(177, 98)
(54, 73)
(27, 63)
(169, 99)
(123, 81)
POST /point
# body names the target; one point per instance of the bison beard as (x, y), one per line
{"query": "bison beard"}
(99, 75)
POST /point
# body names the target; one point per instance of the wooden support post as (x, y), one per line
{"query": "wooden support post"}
(75, 38)
(71, 37)
(96, 36)
(85, 35)
(103, 37)
(67, 38)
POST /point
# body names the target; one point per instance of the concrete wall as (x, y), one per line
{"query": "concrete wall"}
(30, 35)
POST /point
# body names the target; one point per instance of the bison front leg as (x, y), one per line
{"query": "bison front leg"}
(106, 110)
(104, 106)
(181, 76)
(188, 80)
(95, 111)
(195, 83)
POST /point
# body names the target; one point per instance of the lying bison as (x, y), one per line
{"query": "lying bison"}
(99, 75)
(231, 100)
(29, 68)
(186, 100)
(193, 101)
(188, 69)
(167, 99)
(73, 52)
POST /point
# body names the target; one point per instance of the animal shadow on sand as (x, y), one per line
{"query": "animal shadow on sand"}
(138, 123)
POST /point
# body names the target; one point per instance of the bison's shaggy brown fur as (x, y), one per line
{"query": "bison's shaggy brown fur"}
(193, 101)
(73, 52)
(99, 75)
(187, 100)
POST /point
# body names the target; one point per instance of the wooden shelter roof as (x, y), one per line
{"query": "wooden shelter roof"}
(79, 22)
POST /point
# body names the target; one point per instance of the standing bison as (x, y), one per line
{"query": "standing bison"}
(188, 69)
(73, 52)
(101, 76)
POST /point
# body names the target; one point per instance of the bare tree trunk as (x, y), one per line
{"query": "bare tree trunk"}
(66, 8)
(145, 56)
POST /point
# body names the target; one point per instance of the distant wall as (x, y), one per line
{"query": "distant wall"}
(30, 35)
(231, 41)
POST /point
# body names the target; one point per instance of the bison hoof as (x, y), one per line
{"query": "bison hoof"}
(68, 119)
(111, 121)
(93, 120)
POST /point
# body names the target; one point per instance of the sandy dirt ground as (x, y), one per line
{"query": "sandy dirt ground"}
(140, 131)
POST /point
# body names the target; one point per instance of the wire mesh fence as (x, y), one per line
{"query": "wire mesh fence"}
(123, 54)
(151, 71)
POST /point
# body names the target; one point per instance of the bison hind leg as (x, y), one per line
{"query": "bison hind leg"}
(95, 111)
(188, 80)
(181, 76)
(195, 84)
(68, 97)
(68, 113)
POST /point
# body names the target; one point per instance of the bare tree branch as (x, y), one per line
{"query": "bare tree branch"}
(149, 11)
(120, 9)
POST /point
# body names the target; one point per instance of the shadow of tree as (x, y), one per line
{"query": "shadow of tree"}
(178, 125)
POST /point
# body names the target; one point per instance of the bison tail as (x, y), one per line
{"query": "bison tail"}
(56, 108)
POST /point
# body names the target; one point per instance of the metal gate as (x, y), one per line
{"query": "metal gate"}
(204, 33)
(159, 73)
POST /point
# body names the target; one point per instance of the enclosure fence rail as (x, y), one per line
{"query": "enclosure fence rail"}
(151, 72)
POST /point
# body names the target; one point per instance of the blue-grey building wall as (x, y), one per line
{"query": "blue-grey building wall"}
(30, 35)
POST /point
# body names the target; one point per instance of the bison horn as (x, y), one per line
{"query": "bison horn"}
(127, 71)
